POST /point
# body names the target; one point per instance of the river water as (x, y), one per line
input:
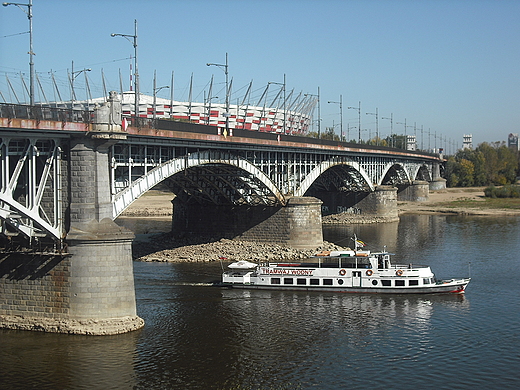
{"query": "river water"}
(202, 337)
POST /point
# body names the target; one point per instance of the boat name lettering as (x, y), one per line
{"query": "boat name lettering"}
(287, 271)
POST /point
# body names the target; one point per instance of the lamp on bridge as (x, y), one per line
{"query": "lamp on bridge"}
(225, 68)
(405, 135)
(155, 90)
(319, 119)
(340, 115)
(391, 126)
(359, 119)
(136, 73)
(284, 112)
(377, 124)
(73, 75)
(28, 12)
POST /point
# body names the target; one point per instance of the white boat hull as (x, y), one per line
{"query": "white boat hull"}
(453, 287)
(344, 272)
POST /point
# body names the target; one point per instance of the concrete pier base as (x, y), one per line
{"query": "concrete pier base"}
(438, 184)
(89, 291)
(418, 191)
(362, 207)
(298, 224)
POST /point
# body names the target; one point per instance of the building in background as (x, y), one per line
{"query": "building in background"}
(295, 119)
(467, 141)
(512, 142)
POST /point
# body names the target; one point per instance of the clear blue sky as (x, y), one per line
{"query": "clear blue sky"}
(451, 66)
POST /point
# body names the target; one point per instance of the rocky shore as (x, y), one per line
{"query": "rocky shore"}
(91, 327)
(163, 248)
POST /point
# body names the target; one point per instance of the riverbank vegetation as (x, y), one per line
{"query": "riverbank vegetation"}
(508, 191)
(490, 164)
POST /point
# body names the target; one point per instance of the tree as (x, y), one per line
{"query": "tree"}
(489, 164)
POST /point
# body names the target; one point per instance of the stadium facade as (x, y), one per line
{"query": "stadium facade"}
(295, 119)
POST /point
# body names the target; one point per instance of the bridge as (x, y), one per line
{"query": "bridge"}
(66, 175)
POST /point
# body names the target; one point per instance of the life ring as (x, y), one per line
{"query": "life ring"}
(369, 272)
(342, 272)
(399, 272)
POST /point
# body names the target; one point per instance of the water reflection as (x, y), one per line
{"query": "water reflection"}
(49, 361)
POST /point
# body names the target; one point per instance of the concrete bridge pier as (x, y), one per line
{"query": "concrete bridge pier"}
(89, 289)
(381, 205)
(418, 191)
(297, 224)
(101, 269)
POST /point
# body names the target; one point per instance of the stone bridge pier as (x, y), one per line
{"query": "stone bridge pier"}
(90, 288)
(297, 224)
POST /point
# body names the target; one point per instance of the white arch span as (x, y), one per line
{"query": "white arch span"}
(126, 197)
(322, 167)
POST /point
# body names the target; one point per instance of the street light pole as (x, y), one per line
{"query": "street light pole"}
(73, 75)
(155, 90)
(359, 120)
(28, 12)
(391, 126)
(225, 68)
(136, 72)
(340, 115)
(319, 114)
(377, 125)
(283, 106)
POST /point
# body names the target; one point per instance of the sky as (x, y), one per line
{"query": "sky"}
(450, 67)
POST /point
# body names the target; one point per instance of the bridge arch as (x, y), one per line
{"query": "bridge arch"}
(421, 172)
(394, 173)
(254, 185)
(354, 170)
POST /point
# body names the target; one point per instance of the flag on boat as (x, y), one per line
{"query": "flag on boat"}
(360, 243)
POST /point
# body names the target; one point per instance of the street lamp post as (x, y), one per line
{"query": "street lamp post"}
(225, 68)
(28, 12)
(155, 90)
(340, 115)
(283, 106)
(73, 75)
(359, 119)
(136, 72)
(319, 114)
(391, 126)
(405, 135)
(377, 124)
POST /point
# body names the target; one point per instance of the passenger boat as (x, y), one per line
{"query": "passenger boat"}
(347, 271)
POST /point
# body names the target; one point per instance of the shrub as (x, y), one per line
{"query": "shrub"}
(508, 191)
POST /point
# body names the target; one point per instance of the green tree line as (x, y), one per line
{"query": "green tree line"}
(488, 164)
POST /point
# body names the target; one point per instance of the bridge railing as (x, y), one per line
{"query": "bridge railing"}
(24, 111)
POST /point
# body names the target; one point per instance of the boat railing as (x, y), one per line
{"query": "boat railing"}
(407, 266)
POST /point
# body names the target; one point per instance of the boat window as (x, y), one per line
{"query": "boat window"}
(275, 280)
(413, 283)
(426, 281)
(399, 282)
(327, 282)
(340, 281)
(374, 282)
(315, 282)
(287, 281)
(386, 282)
(301, 281)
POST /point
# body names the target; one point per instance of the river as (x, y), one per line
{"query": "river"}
(202, 337)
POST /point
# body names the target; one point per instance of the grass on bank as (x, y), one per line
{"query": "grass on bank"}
(485, 203)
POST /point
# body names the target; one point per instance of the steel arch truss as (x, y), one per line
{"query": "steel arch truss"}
(337, 174)
(217, 177)
(404, 172)
(31, 179)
